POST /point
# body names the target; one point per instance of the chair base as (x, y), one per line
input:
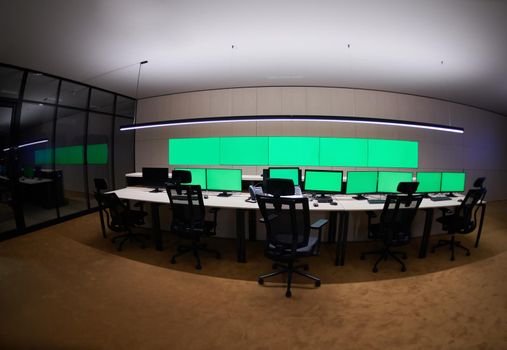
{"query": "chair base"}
(194, 248)
(290, 269)
(452, 243)
(384, 255)
(131, 237)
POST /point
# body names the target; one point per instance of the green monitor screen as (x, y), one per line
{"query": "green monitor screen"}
(361, 182)
(323, 181)
(388, 180)
(194, 151)
(392, 153)
(247, 150)
(198, 176)
(286, 173)
(428, 182)
(453, 182)
(343, 152)
(293, 151)
(223, 180)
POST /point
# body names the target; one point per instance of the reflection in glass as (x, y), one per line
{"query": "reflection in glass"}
(69, 154)
(74, 95)
(41, 185)
(7, 220)
(125, 106)
(40, 87)
(100, 129)
(10, 82)
(102, 101)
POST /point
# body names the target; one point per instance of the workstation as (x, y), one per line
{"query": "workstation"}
(328, 150)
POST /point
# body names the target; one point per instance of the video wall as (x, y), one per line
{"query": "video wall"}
(294, 151)
(73, 155)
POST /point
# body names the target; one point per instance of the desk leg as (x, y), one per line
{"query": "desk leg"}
(428, 221)
(483, 211)
(342, 237)
(155, 222)
(331, 237)
(252, 225)
(102, 225)
(240, 235)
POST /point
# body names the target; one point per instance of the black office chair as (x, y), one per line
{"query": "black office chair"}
(122, 219)
(288, 237)
(188, 221)
(179, 177)
(461, 220)
(394, 227)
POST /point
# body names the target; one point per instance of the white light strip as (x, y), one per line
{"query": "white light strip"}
(176, 123)
(26, 145)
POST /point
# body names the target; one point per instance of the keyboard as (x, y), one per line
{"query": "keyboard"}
(376, 201)
(438, 199)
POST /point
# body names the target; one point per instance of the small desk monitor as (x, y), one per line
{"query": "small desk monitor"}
(198, 176)
(155, 177)
(388, 180)
(323, 182)
(225, 180)
(361, 182)
(286, 173)
(429, 182)
(453, 182)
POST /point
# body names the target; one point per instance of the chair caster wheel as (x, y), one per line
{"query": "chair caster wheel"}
(198, 267)
(375, 270)
(173, 261)
(403, 269)
(362, 257)
(288, 294)
(260, 281)
(317, 283)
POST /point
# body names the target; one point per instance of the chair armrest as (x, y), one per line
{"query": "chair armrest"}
(317, 225)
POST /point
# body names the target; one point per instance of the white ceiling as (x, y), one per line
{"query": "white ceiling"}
(450, 49)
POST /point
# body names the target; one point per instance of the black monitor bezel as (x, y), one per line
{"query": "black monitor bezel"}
(360, 171)
(453, 172)
(225, 190)
(323, 171)
(288, 167)
(155, 180)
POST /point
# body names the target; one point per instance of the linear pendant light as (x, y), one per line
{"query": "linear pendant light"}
(289, 118)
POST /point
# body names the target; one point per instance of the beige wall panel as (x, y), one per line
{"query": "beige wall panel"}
(342, 102)
(220, 102)
(294, 100)
(200, 104)
(153, 109)
(319, 101)
(269, 128)
(365, 103)
(244, 101)
(387, 105)
(179, 105)
(269, 101)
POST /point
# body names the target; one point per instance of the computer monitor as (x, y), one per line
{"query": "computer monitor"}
(428, 182)
(452, 182)
(323, 182)
(155, 177)
(198, 176)
(292, 173)
(388, 180)
(224, 180)
(361, 182)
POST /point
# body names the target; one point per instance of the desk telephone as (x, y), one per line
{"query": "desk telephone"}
(254, 191)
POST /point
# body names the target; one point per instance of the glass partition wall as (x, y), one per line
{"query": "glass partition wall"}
(56, 136)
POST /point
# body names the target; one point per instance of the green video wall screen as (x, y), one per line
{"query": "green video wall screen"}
(293, 151)
(73, 155)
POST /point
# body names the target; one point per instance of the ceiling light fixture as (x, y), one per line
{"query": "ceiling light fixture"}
(25, 145)
(299, 118)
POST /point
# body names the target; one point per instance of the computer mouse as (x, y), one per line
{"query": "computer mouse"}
(333, 203)
(205, 196)
(315, 203)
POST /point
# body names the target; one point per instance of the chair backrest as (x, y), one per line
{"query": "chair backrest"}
(397, 215)
(117, 210)
(465, 215)
(287, 222)
(100, 184)
(187, 206)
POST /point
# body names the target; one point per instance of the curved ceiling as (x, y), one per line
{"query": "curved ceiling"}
(453, 50)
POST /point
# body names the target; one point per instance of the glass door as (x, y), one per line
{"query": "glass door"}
(8, 204)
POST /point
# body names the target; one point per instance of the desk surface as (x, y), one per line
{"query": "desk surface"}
(237, 201)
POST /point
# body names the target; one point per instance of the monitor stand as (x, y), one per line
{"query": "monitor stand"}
(224, 194)
(323, 198)
(450, 194)
(360, 197)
